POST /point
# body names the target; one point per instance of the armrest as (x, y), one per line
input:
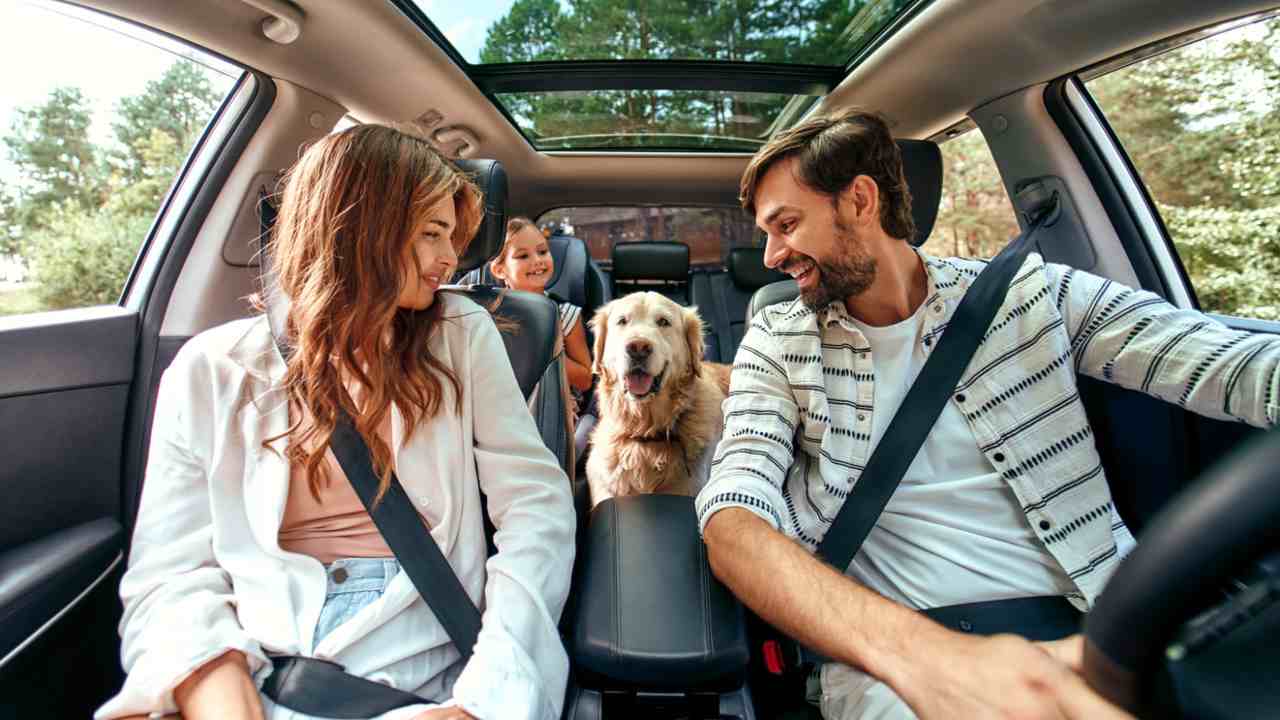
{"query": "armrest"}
(651, 616)
(39, 578)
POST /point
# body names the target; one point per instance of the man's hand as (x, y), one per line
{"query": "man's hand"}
(445, 713)
(1004, 676)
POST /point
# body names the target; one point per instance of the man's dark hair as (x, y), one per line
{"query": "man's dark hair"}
(832, 150)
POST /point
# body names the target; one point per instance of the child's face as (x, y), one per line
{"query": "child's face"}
(528, 264)
(432, 244)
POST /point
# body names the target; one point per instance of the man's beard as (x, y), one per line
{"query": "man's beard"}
(849, 273)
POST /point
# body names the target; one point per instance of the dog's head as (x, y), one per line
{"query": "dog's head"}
(645, 341)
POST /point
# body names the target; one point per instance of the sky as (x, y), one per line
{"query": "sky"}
(465, 23)
(44, 45)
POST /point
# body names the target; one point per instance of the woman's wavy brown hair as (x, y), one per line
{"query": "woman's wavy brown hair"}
(350, 208)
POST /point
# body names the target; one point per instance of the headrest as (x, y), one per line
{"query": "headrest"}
(492, 180)
(570, 279)
(746, 268)
(922, 165)
(651, 261)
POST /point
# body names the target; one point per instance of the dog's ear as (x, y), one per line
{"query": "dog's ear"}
(599, 326)
(693, 336)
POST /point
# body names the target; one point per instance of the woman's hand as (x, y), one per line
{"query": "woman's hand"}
(221, 688)
(445, 713)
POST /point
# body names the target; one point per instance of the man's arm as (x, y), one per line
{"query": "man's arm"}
(1135, 339)
(939, 673)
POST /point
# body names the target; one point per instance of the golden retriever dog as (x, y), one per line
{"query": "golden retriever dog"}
(659, 403)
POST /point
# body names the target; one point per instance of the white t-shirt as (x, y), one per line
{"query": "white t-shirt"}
(953, 532)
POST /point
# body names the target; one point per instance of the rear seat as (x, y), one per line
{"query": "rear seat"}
(661, 267)
(722, 299)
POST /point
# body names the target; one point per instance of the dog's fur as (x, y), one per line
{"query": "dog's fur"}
(654, 443)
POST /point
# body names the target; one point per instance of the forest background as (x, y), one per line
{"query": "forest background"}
(1201, 125)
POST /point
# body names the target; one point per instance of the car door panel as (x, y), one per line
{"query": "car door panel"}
(62, 411)
(40, 578)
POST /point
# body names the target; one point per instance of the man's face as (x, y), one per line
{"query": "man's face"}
(811, 238)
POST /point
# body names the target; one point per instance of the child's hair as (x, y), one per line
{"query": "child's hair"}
(350, 208)
(514, 225)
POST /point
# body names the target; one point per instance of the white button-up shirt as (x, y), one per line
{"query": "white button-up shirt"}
(797, 419)
(206, 573)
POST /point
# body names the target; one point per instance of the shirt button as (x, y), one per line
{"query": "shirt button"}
(998, 457)
(1045, 525)
(938, 308)
(862, 418)
(422, 500)
(966, 626)
(340, 575)
(959, 397)
(928, 342)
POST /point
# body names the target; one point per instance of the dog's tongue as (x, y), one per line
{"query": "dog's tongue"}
(639, 383)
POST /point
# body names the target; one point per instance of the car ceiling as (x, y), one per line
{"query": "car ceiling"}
(952, 57)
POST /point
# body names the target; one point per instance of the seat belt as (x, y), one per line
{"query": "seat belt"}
(323, 688)
(919, 410)
(924, 402)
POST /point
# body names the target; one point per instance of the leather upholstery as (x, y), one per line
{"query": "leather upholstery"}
(922, 165)
(651, 617)
(665, 262)
(535, 321)
(746, 269)
(492, 179)
(651, 261)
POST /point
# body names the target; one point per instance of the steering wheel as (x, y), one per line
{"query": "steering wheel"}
(1215, 528)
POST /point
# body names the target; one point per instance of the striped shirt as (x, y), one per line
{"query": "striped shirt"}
(799, 413)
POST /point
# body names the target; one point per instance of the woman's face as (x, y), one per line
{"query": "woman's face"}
(528, 265)
(432, 245)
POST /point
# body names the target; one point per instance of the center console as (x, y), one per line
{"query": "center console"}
(654, 633)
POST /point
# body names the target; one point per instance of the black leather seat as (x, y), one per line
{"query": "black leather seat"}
(662, 267)
(722, 299)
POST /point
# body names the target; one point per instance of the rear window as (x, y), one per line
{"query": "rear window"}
(710, 232)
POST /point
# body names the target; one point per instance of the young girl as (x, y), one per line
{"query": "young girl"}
(250, 541)
(525, 263)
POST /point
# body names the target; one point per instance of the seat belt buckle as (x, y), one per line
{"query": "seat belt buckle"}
(781, 656)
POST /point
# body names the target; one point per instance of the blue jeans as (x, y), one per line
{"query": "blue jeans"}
(353, 583)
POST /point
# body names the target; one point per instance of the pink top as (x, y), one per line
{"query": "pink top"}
(337, 526)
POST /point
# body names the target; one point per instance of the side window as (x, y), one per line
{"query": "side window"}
(1201, 125)
(975, 217)
(709, 232)
(92, 141)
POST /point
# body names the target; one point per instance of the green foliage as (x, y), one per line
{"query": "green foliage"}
(82, 257)
(50, 145)
(178, 105)
(82, 211)
(1232, 256)
(1202, 126)
(820, 32)
(975, 217)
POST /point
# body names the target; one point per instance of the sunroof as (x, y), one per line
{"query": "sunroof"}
(804, 32)
(652, 119)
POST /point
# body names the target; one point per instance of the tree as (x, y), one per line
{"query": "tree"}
(177, 104)
(50, 145)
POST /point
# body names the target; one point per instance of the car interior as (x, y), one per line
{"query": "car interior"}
(649, 631)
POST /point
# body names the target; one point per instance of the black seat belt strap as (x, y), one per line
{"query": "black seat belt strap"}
(924, 402)
(402, 527)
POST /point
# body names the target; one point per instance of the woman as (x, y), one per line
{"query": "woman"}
(525, 263)
(250, 542)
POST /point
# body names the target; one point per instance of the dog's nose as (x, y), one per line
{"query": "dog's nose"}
(639, 350)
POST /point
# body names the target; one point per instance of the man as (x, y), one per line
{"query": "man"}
(1006, 499)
